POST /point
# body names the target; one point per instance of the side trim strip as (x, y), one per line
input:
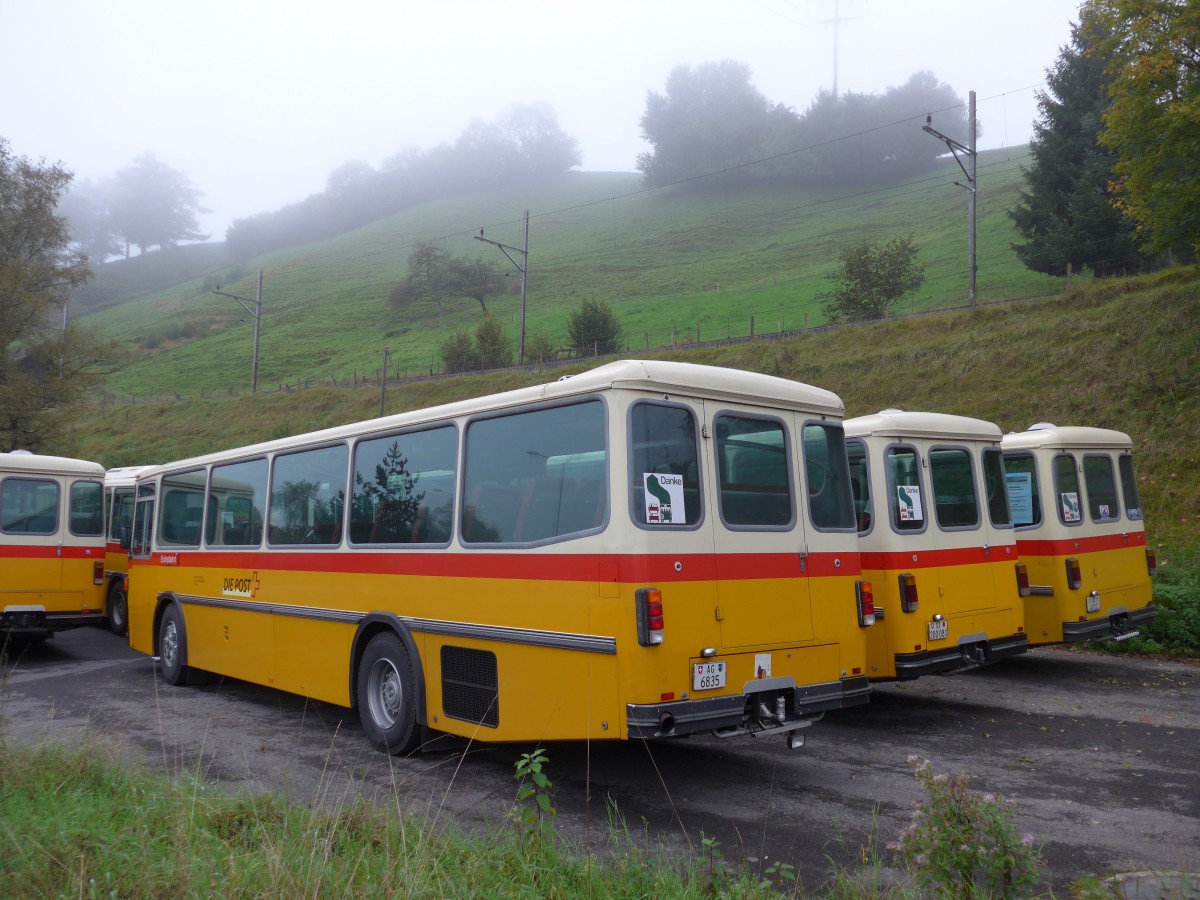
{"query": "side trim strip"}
(584, 643)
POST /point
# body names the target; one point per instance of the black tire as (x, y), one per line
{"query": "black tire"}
(118, 609)
(385, 689)
(172, 647)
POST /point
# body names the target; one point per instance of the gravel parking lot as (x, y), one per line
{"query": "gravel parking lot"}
(1099, 754)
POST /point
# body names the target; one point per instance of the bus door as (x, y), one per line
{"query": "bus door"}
(31, 515)
(759, 528)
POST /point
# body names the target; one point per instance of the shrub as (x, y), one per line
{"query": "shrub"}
(963, 844)
(593, 329)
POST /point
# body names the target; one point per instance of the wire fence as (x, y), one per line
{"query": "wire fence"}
(690, 341)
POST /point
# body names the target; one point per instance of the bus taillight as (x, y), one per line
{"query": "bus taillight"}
(1074, 574)
(1151, 562)
(1022, 580)
(649, 616)
(866, 603)
(908, 593)
(98, 571)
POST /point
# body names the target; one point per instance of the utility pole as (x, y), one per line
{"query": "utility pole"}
(970, 153)
(835, 21)
(522, 267)
(256, 312)
(383, 382)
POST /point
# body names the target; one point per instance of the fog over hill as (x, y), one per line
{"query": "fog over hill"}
(257, 103)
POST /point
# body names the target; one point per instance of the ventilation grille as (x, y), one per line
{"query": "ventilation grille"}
(470, 686)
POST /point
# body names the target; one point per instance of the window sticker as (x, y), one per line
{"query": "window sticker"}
(1070, 506)
(909, 496)
(1020, 497)
(1105, 511)
(664, 498)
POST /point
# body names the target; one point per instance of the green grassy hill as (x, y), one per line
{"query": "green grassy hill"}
(1121, 354)
(676, 264)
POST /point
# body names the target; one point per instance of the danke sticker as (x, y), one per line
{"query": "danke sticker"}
(664, 498)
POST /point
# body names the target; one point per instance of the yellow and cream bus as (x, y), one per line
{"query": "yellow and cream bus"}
(118, 519)
(648, 549)
(51, 544)
(937, 543)
(1074, 496)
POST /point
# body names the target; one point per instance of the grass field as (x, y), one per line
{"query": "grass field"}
(677, 265)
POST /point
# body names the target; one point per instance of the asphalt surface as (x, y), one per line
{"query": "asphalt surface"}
(1099, 755)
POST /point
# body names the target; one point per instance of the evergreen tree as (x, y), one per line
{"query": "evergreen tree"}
(1066, 215)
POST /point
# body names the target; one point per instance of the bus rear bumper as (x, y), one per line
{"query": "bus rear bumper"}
(775, 709)
(34, 621)
(962, 656)
(1120, 624)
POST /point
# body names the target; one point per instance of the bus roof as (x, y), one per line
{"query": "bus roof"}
(123, 476)
(1067, 437)
(690, 379)
(897, 423)
(34, 463)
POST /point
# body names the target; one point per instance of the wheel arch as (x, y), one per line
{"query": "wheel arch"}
(371, 625)
(165, 600)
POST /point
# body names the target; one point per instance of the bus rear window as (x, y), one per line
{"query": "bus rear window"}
(756, 484)
(904, 489)
(28, 506)
(954, 488)
(1024, 497)
(664, 475)
(827, 476)
(1066, 485)
(1129, 489)
(1101, 488)
(87, 508)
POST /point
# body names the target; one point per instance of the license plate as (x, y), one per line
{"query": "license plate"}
(1093, 603)
(708, 676)
(939, 629)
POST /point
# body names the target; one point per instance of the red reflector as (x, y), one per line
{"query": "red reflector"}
(857, 670)
(669, 695)
(1074, 574)
(654, 623)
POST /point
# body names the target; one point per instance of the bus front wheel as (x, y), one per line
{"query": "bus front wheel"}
(386, 703)
(172, 647)
(118, 610)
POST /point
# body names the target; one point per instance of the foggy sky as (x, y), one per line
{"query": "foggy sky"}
(258, 100)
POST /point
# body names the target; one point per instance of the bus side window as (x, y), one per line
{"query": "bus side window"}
(860, 484)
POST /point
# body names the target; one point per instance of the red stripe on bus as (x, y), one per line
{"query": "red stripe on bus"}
(49, 551)
(1096, 544)
(647, 568)
(930, 559)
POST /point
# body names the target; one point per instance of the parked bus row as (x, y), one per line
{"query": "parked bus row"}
(649, 549)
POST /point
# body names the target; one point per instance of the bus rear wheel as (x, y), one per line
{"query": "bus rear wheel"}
(172, 647)
(386, 702)
(118, 610)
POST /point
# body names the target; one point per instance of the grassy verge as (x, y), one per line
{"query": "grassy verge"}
(77, 823)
